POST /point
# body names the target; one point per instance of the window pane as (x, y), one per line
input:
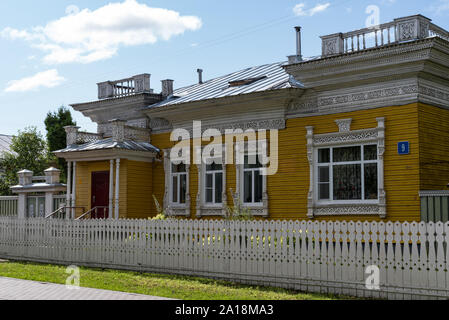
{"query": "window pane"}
(324, 156)
(347, 182)
(323, 191)
(175, 189)
(209, 179)
(218, 187)
(371, 181)
(370, 152)
(214, 167)
(183, 191)
(176, 168)
(346, 154)
(258, 181)
(252, 161)
(323, 188)
(209, 188)
(323, 174)
(248, 187)
(209, 195)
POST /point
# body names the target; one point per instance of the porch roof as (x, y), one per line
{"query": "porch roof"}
(108, 144)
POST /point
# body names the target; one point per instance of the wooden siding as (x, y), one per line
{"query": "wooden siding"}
(434, 147)
(139, 192)
(288, 189)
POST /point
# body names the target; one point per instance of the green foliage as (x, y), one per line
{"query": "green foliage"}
(56, 136)
(29, 151)
(238, 211)
(160, 211)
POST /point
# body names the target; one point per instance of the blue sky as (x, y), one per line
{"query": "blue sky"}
(54, 52)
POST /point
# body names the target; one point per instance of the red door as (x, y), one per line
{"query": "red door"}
(100, 194)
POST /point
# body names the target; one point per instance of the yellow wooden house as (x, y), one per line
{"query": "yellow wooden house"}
(360, 133)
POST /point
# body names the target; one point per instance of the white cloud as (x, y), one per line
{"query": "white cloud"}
(299, 9)
(86, 36)
(47, 79)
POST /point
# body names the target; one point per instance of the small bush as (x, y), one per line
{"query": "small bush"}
(238, 211)
(160, 211)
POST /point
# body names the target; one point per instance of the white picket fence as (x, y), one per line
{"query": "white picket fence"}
(325, 257)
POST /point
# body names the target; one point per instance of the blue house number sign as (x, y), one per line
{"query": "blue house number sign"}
(403, 147)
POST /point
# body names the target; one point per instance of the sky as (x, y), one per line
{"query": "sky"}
(55, 52)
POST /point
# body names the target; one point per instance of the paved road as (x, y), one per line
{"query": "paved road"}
(15, 289)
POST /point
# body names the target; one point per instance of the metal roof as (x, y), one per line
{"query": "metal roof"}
(5, 143)
(272, 76)
(110, 144)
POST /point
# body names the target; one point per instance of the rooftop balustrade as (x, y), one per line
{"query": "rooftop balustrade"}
(125, 87)
(400, 30)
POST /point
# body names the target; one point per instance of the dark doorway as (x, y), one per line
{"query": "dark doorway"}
(100, 194)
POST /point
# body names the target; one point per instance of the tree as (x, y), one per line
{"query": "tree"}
(56, 136)
(29, 151)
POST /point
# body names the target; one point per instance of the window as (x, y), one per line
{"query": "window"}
(348, 173)
(178, 183)
(213, 184)
(252, 180)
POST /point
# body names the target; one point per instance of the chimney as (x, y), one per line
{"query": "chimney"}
(298, 56)
(118, 130)
(200, 76)
(298, 43)
(71, 134)
(167, 87)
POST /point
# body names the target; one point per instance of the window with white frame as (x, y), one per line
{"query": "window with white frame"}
(253, 181)
(178, 184)
(213, 183)
(347, 174)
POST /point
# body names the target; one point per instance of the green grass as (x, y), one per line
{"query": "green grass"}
(169, 286)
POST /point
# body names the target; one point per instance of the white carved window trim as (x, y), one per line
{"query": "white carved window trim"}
(175, 209)
(331, 164)
(346, 137)
(257, 209)
(203, 208)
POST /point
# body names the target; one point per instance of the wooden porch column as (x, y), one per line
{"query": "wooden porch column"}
(111, 189)
(69, 187)
(117, 188)
(74, 191)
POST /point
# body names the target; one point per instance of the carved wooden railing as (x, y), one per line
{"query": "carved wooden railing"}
(400, 30)
(86, 137)
(436, 31)
(124, 87)
(137, 134)
(369, 37)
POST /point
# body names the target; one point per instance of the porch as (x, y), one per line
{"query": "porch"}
(110, 176)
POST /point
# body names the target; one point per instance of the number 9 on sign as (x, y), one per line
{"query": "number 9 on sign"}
(403, 147)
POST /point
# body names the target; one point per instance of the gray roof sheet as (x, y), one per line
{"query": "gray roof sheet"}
(110, 144)
(274, 75)
(5, 143)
